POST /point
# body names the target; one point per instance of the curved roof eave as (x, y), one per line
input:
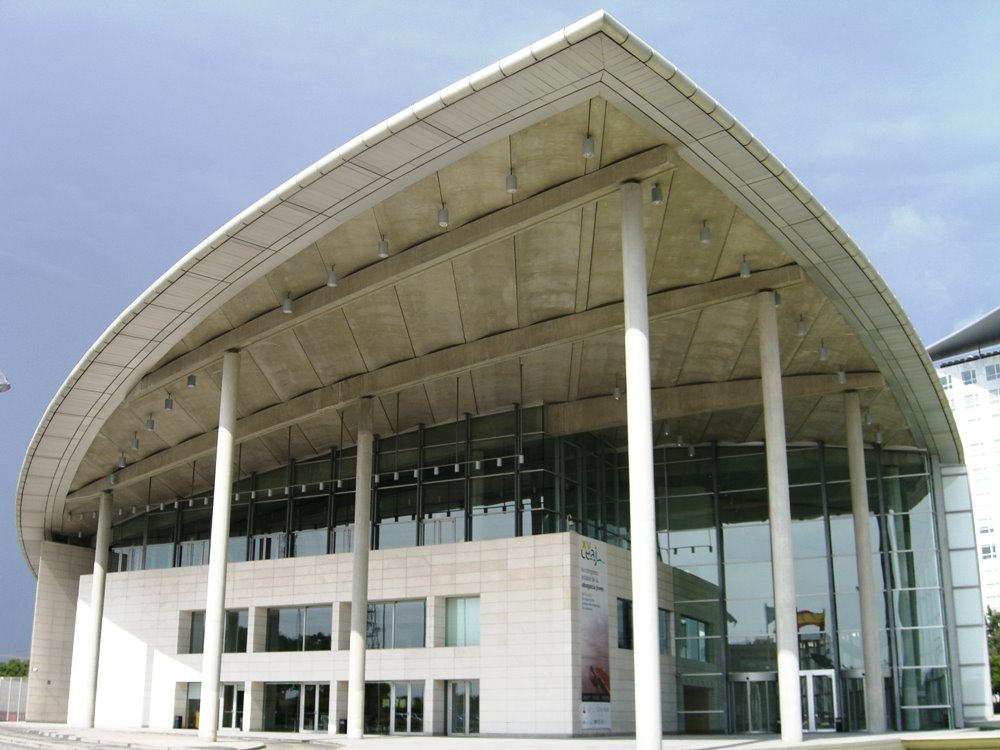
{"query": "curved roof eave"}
(982, 333)
(594, 56)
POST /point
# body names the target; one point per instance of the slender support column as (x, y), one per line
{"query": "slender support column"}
(779, 510)
(93, 646)
(359, 575)
(874, 688)
(215, 600)
(642, 515)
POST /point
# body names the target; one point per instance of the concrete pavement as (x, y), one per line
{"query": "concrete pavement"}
(59, 736)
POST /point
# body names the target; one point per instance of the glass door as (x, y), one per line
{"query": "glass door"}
(408, 708)
(463, 707)
(753, 702)
(315, 716)
(232, 706)
(853, 690)
(819, 701)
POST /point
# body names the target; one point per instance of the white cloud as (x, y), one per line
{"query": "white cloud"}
(907, 225)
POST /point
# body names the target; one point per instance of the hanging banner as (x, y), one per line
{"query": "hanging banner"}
(595, 666)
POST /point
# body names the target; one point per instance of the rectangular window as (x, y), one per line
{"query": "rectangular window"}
(396, 624)
(993, 372)
(625, 638)
(945, 381)
(462, 621)
(234, 638)
(299, 628)
(995, 394)
(989, 551)
(624, 623)
(968, 377)
(692, 639)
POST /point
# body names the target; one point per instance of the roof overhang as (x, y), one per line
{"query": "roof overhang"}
(595, 57)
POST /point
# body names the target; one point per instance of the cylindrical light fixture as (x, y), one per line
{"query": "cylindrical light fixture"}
(168, 403)
(443, 217)
(512, 183)
(704, 234)
(192, 381)
(588, 148)
(286, 304)
(331, 277)
(656, 194)
(383, 248)
(744, 268)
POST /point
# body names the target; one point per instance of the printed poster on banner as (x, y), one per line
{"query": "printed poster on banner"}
(595, 667)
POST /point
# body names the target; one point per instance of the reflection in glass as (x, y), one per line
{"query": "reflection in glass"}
(396, 516)
(268, 541)
(309, 526)
(493, 507)
(160, 540)
(444, 512)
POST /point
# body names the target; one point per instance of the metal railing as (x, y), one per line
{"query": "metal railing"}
(13, 698)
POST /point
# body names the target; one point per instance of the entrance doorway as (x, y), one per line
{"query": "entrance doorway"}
(394, 707)
(819, 700)
(296, 707)
(853, 689)
(753, 702)
(232, 706)
(463, 707)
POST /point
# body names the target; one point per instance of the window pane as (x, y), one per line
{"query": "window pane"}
(309, 526)
(236, 550)
(409, 626)
(196, 644)
(624, 624)
(317, 628)
(284, 629)
(396, 516)
(493, 507)
(236, 631)
(444, 512)
(462, 622)
(379, 633)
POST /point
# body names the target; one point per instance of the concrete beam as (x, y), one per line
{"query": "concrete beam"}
(448, 363)
(684, 400)
(499, 225)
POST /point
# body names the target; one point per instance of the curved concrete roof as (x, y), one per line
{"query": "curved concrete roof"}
(489, 305)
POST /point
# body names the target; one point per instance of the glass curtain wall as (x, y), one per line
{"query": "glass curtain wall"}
(712, 521)
(501, 475)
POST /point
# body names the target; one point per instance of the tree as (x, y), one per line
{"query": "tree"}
(993, 646)
(14, 668)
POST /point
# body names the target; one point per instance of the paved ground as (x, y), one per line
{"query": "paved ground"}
(59, 737)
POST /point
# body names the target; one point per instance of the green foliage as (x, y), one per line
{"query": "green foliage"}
(993, 645)
(14, 668)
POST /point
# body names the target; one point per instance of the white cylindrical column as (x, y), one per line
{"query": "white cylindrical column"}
(92, 652)
(779, 512)
(215, 600)
(642, 514)
(359, 575)
(874, 689)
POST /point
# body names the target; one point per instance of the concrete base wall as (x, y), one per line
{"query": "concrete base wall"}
(56, 603)
(526, 663)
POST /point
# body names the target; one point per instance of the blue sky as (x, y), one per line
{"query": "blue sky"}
(132, 130)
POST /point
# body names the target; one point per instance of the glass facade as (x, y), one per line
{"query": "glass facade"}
(502, 475)
(299, 628)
